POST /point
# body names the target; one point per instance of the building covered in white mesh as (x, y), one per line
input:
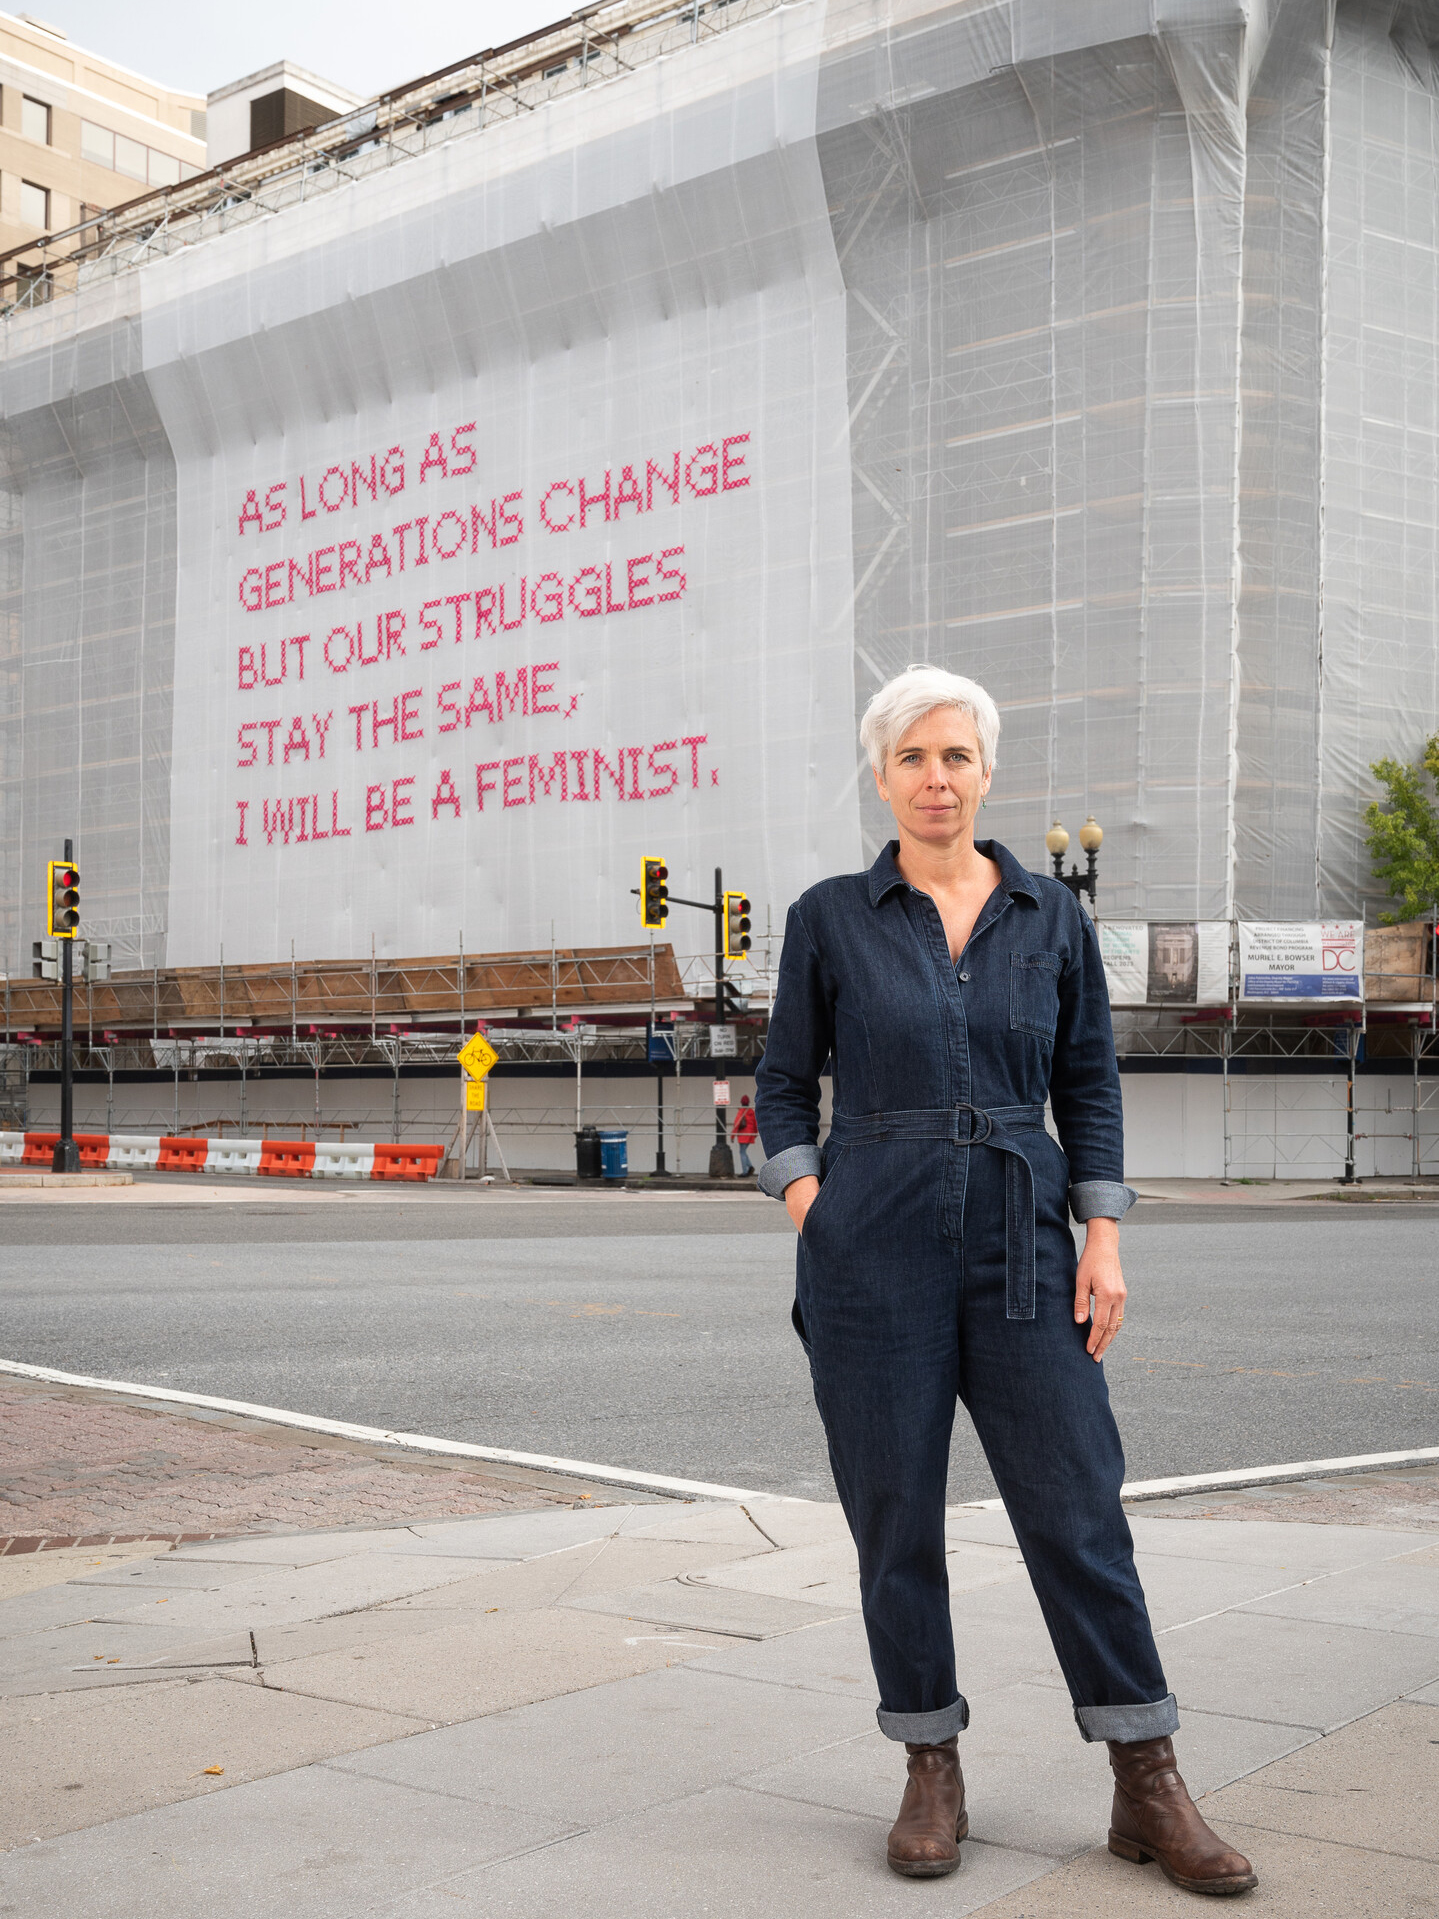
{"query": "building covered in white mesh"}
(407, 529)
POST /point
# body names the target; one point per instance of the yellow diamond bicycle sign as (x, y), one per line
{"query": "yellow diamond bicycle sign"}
(477, 1056)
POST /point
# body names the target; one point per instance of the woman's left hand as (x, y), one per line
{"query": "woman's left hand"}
(1101, 1281)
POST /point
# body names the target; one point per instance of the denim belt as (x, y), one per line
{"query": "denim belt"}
(965, 1125)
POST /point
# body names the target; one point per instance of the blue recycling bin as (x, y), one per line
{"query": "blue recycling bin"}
(614, 1153)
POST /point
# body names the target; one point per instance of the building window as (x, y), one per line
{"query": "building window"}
(130, 158)
(35, 120)
(97, 144)
(197, 123)
(33, 284)
(102, 148)
(34, 205)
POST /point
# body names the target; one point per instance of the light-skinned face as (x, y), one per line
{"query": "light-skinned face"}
(933, 780)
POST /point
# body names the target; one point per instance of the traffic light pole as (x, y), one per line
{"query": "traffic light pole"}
(721, 1160)
(67, 1154)
(661, 1170)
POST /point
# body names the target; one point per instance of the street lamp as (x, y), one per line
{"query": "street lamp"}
(1091, 837)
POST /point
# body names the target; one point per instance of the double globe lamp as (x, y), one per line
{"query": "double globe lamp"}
(1091, 837)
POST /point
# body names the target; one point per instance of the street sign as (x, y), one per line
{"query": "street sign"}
(474, 1096)
(723, 1044)
(721, 1092)
(661, 1043)
(477, 1056)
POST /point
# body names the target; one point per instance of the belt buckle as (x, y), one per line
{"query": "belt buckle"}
(975, 1139)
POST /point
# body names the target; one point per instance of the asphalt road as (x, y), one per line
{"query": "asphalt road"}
(655, 1335)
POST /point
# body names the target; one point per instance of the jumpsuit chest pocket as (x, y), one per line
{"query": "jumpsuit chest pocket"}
(1034, 993)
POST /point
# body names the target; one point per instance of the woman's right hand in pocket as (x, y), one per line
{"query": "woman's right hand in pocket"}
(799, 1196)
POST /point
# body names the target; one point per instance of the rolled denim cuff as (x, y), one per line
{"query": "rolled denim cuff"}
(1128, 1723)
(795, 1162)
(924, 1728)
(1101, 1199)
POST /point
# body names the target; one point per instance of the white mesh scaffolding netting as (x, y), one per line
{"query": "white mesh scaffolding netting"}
(1089, 349)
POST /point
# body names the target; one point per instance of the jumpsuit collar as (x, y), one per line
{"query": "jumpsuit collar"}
(885, 876)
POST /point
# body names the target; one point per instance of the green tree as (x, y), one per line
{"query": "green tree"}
(1404, 833)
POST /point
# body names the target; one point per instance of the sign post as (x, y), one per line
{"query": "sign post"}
(475, 1057)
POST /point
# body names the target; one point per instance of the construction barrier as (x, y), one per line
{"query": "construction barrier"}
(407, 1162)
(280, 1158)
(40, 1150)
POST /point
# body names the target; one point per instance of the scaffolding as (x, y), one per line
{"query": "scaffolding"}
(312, 997)
(486, 89)
(1305, 1059)
(323, 1020)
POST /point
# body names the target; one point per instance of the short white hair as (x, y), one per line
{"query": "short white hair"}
(915, 692)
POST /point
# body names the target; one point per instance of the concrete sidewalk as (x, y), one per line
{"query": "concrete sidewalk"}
(658, 1710)
(1252, 1193)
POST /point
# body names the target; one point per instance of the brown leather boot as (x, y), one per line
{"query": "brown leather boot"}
(924, 1840)
(1154, 1818)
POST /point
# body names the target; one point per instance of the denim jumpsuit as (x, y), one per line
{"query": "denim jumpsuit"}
(938, 1263)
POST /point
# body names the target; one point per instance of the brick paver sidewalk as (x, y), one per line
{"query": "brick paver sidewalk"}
(80, 1467)
(1409, 1498)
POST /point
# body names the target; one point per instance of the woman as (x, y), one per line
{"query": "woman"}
(953, 992)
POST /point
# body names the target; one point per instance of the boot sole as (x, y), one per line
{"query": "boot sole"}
(1138, 1855)
(931, 1868)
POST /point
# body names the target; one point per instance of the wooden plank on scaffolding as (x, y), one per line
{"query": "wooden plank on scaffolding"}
(339, 993)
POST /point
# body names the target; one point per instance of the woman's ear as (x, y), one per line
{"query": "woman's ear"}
(880, 785)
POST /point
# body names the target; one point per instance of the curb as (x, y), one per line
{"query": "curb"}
(1138, 1490)
(10, 1177)
(412, 1442)
(1135, 1490)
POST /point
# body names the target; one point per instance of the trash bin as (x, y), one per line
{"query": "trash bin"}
(614, 1153)
(587, 1153)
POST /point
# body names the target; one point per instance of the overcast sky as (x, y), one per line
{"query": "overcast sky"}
(362, 44)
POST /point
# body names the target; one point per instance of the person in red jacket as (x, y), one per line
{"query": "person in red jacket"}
(744, 1132)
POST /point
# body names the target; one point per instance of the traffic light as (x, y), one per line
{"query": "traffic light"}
(45, 959)
(654, 894)
(736, 926)
(64, 899)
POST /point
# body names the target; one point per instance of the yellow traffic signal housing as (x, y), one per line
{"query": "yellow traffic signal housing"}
(654, 894)
(736, 926)
(64, 899)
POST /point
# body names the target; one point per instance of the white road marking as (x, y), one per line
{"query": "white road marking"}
(1138, 1489)
(413, 1442)
(1134, 1489)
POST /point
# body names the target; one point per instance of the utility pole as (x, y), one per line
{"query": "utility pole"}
(67, 1154)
